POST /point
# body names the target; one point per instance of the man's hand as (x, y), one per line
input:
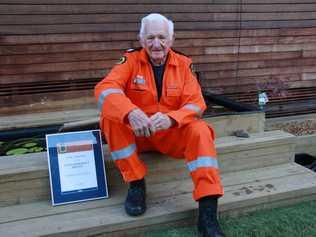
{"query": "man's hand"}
(140, 123)
(161, 121)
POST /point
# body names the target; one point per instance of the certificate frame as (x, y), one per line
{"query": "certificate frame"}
(76, 167)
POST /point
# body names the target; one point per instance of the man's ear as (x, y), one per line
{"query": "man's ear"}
(140, 40)
(172, 40)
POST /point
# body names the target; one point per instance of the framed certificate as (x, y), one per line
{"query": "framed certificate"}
(76, 167)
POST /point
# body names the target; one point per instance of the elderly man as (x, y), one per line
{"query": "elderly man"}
(151, 100)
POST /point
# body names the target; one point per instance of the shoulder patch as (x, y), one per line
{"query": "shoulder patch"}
(121, 60)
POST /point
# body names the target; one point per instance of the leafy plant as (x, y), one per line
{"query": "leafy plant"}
(17, 151)
(21, 146)
(275, 87)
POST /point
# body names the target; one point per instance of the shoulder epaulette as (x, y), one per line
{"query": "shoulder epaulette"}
(133, 50)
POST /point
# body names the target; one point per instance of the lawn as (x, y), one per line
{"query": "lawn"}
(294, 221)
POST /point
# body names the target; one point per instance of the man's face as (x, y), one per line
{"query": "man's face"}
(156, 41)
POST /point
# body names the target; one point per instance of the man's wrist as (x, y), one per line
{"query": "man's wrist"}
(126, 117)
(173, 122)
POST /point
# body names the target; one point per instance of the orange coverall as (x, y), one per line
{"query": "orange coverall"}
(130, 85)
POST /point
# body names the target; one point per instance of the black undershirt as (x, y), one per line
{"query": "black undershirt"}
(158, 73)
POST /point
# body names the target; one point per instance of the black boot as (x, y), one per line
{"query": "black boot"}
(135, 203)
(208, 225)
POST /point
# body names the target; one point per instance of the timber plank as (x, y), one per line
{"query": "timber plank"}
(111, 58)
(120, 9)
(58, 48)
(101, 54)
(257, 72)
(53, 76)
(107, 27)
(112, 18)
(155, 1)
(273, 16)
(131, 8)
(260, 48)
(108, 64)
(109, 36)
(257, 140)
(255, 64)
(298, 7)
(278, 32)
(44, 119)
(67, 38)
(284, 188)
(306, 145)
(277, 40)
(309, 53)
(60, 57)
(278, 24)
(128, 18)
(57, 67)
(250, 81)
(131, 35)
(253, 162)
(229, 180)
(97, 220)
(116, 27)
(117, 1)
(82, 99)
(218, 58)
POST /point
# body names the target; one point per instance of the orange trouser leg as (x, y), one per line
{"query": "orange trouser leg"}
(123, 150)
(194, 142)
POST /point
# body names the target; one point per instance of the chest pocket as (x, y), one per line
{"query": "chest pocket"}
(138, 86)
(173, 92)
(173, 96)
(138, 92)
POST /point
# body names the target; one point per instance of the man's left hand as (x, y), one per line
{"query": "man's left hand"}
(161, 121)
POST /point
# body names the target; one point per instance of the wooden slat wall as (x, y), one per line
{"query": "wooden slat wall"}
(55, 50)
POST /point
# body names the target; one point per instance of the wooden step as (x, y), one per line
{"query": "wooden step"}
(169, 202)
(224, 125)
(25, 179)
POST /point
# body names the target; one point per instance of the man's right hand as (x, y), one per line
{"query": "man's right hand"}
(140, 123)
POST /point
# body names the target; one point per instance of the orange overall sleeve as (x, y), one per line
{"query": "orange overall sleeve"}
(192, 101)
(109, 93)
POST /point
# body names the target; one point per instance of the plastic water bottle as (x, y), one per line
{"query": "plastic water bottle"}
(262, 100)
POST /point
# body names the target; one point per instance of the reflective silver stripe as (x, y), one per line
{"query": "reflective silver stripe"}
(194, 108)
(123, 153)
(202, 162)
(107, 92)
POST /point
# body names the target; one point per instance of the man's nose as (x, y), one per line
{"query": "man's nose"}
(156, 42)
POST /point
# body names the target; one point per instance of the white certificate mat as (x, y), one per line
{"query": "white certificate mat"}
(76, 167)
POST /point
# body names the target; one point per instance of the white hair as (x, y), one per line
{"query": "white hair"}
(156, 17)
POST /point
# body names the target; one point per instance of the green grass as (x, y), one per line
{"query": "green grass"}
(293, 221)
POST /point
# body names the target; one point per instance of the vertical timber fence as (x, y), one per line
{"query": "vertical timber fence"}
(53, 52)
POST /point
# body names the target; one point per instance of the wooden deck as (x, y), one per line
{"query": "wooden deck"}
(257, 172)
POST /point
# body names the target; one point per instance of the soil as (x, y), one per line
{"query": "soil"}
(298, 128)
